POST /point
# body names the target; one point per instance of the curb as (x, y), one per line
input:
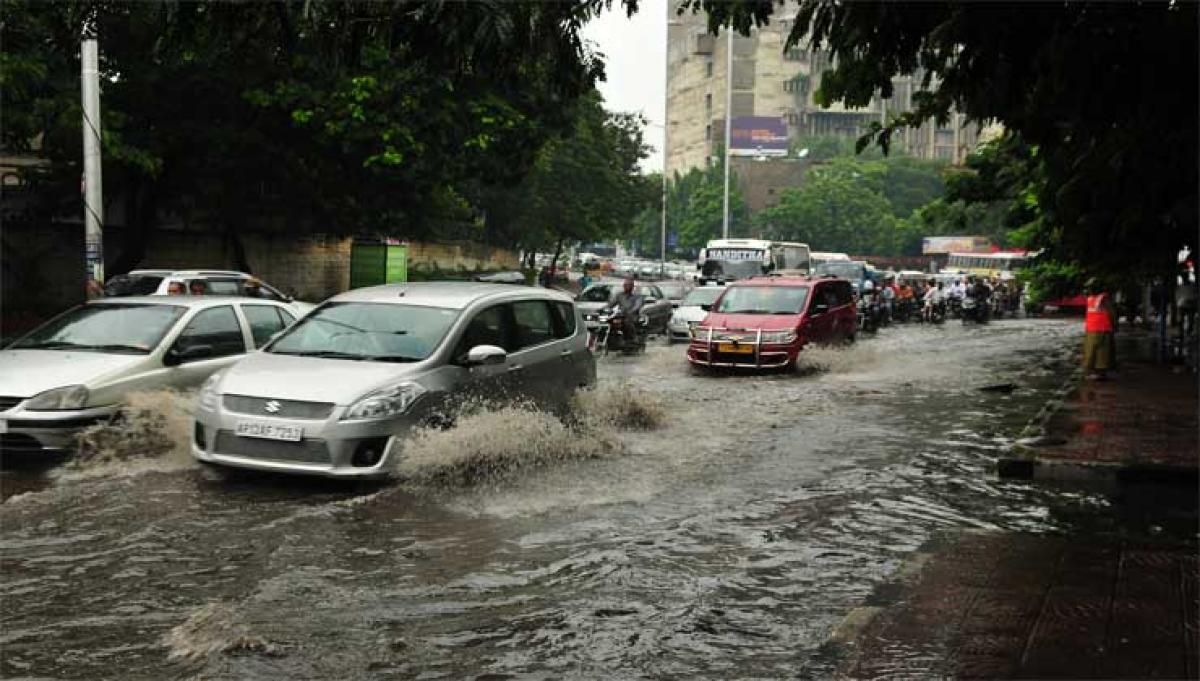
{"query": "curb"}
(1024, 462)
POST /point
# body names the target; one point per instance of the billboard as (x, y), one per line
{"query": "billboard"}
(938, 245)
(758, 136)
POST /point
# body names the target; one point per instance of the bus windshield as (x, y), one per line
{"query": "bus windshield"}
(731, 269)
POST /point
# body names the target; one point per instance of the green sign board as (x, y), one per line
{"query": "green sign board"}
(375, 264)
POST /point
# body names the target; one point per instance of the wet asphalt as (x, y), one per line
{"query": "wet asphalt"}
(726, 543)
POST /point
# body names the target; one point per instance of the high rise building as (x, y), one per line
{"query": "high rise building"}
(767, 81)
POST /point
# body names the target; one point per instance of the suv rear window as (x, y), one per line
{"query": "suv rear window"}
(126, 285)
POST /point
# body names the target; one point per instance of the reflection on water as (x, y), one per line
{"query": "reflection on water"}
(725, 542)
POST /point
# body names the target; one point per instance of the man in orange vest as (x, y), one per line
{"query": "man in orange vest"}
(1099, 344)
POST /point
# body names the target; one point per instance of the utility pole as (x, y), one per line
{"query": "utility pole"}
(93, 189)
(728, 122)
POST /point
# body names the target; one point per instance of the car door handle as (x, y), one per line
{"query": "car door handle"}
(565, 354)
(515, 367)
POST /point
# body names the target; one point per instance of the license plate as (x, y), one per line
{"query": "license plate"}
(735, 349)
(269, 431)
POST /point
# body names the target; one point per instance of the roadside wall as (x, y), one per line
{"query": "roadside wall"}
(42, 267)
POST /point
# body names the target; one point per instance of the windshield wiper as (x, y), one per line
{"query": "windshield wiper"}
(748, 312)
(392, 358)
(67, 345)
(331, 354)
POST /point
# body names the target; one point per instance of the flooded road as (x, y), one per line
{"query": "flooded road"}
(725, 542)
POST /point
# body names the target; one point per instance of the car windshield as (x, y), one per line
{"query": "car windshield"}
(367, 331)
(763, 300)
(672, 291)
(733, 269)
(595, 294)
(127, 328)
(702, 296)
(845, 270)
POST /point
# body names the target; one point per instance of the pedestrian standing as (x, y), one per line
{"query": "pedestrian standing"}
(1099, 341)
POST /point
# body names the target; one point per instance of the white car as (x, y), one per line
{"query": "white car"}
(74, 370)
(690, 313)
(214, 283)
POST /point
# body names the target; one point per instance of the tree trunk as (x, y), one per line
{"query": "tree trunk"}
(238, 250)
(554, 262)
(141, 217)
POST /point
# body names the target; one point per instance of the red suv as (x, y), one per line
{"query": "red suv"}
(764, 322)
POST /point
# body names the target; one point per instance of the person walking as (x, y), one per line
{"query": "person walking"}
(1099, 342)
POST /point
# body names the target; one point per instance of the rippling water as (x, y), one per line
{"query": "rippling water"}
(723, 538)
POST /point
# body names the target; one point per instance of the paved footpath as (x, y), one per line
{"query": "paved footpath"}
(1025, 606)
(1008, 605)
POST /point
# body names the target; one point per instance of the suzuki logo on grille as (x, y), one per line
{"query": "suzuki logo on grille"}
(271, 407)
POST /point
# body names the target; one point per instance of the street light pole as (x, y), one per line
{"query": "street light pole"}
(93, 195)
(728, 123)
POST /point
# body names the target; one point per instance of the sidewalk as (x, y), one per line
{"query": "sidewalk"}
(1140, 425)
(1011, 605)
(1025, 606)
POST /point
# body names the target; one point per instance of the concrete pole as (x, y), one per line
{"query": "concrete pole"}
(728, 123)
(93, 189)
(662, 254)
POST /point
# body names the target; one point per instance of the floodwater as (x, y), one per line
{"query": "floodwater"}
(720, 531)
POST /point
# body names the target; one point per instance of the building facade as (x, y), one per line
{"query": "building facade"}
(769, 81)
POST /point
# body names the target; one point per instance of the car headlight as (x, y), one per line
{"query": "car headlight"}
(59, 399)
(387, 402)
(676, 321)
(208, 391)
(778, 337)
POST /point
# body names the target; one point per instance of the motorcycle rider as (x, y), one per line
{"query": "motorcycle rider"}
(629, 305)
(934, 297)
(980, 292)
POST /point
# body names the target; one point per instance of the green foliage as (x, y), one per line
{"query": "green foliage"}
(299, 116)
(1107, 93)
(585, 184)
(1049, 280)
(825, 147)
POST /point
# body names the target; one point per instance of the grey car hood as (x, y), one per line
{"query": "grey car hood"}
(311, 379)
(25, 373)
(690, 313)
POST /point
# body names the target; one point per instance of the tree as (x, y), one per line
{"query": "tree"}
(297, 116)
(696, 207)
(1107, 92)
(833, 211)
(585, 184)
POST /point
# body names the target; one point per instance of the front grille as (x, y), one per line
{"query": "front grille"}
(305, 451)
(257, 406)
(7, 403)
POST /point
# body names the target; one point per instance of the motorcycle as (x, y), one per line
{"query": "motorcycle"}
(933, 313)
(954, 309)
(609, 334)
(869, 313)
(974, 310)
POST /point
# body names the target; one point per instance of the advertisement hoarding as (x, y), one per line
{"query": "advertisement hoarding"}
(939, 245)
(758, 136)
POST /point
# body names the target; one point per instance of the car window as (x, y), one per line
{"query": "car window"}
(264, 322)
(135, 328)
(288, 317)
(564, 314)
(216, 327)
(534, 325)
(595, 294)
(702, 296)
(487, 327)
(386, 332)
(132, 285)
(224, 287)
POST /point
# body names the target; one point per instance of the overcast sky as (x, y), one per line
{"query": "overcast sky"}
(634, 56)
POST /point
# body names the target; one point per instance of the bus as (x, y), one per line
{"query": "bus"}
(1003, 264)
(725, 260)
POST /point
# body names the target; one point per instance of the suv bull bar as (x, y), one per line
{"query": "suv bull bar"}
(776, 358)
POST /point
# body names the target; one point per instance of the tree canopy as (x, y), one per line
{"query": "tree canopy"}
(1107, 93)
(300, 116)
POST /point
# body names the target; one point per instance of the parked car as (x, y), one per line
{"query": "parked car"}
(74, 370)
(764, 322)
(674, 291)
(502, 278)
(212, 282)
(691, 311)
(596, 297)
(336, 394)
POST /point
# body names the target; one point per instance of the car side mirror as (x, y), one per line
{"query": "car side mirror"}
(189, 354)
(484, 355)
(707, 307)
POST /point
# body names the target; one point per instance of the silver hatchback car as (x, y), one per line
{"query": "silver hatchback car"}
(335, 394)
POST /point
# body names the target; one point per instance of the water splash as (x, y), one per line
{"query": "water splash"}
(619, 405)
(151, 433)
(211, 629)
